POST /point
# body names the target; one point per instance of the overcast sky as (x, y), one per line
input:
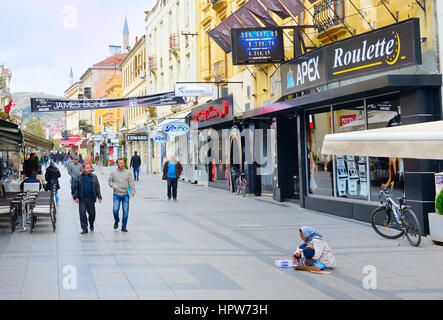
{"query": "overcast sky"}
(41, 40)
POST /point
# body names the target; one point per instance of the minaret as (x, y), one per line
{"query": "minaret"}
(125, 43)
(71, 78)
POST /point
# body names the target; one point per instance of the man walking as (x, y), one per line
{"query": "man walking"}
(171, 172)
(87, 191)
(135, 164)
(74, 170)
(122, 183)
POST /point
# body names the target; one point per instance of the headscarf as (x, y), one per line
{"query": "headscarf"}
(310, 233)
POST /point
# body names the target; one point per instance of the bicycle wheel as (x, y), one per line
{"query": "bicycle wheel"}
(244, 188)
(412, 226)
(385, 224)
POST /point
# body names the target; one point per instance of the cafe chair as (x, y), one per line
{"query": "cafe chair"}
(29, 186)
(9, 211)
(44, 207)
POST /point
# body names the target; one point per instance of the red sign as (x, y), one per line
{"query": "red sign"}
(347, 119)
(212, 112)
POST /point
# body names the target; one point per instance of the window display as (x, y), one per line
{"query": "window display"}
(321, 181)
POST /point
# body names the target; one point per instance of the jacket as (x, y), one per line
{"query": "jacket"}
(135, 161)
(51, 176)
(78, 191)
(323, 253)
(120, 180)
(75, 170)
(178, 170)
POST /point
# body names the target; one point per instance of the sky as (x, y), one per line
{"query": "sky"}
(41, 40)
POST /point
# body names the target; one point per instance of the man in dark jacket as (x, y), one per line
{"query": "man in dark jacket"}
(30, 165)
(135, 164)
(171, 172)
(51, 176)
(86, 193)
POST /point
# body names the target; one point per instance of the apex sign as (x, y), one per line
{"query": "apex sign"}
(391, 47)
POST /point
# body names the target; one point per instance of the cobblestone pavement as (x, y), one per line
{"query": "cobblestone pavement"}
(210, 244)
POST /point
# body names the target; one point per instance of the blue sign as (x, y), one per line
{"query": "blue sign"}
(176, 128)
(160, 138)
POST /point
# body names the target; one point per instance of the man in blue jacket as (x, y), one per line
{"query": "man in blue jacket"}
(86, 193)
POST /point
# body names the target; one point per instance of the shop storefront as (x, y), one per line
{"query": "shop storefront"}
(216, 139)
(348, 185)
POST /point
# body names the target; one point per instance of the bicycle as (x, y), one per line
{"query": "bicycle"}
(392, 220)
(240, 184)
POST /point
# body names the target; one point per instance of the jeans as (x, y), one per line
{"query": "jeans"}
(124, 200)
(136, 171)
(172, 185)
(86, 205)
(56, 196)
(73, 186)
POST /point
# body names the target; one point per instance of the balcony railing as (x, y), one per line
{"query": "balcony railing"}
(174, 42)
(327, 14)
(152, 63)
(219, 70)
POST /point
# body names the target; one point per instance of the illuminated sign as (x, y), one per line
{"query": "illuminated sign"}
(257, 45)
(214, 112)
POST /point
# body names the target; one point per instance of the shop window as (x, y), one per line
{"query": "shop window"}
(382, 114)
(351, 171)
(320, 167)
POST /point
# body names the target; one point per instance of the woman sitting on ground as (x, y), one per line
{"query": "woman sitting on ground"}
(313, 250)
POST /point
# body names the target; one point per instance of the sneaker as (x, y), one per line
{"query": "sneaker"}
(115, 225)
(84, 232)
(169, 198)
(92, 228)
(175, 199)
(124, 229)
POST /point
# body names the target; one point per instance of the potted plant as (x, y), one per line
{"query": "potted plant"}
(436, 220)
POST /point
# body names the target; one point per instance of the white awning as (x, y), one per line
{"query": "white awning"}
(416, 141)
(174, 118)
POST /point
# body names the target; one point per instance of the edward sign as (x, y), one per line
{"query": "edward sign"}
(391, 47)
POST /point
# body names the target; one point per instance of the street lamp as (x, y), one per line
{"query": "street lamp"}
(124, 130)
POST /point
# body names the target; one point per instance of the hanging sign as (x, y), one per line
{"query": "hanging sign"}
(160, 138)
(193, 90)
(54, 105)
(176, 128)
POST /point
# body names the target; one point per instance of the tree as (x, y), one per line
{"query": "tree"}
(34, 126)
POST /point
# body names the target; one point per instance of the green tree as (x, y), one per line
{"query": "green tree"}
(34, 126)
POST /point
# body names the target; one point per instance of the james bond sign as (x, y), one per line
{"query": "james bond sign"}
(55, 105)
(391, 47)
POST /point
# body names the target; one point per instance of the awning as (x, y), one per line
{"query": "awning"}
(415, 141)
(10, 136)
(33, 141)
(175, 118)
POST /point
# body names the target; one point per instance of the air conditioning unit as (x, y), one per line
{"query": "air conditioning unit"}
(142, 74)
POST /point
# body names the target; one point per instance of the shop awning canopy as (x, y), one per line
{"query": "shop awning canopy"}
(10, 136)
(415, 141)
(33, 141)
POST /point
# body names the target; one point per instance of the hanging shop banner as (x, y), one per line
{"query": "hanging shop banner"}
(193, 90)
(391, 47)
(160, 138)
(137, 137)
(176, 129)
(257, 45)
(56, 105)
